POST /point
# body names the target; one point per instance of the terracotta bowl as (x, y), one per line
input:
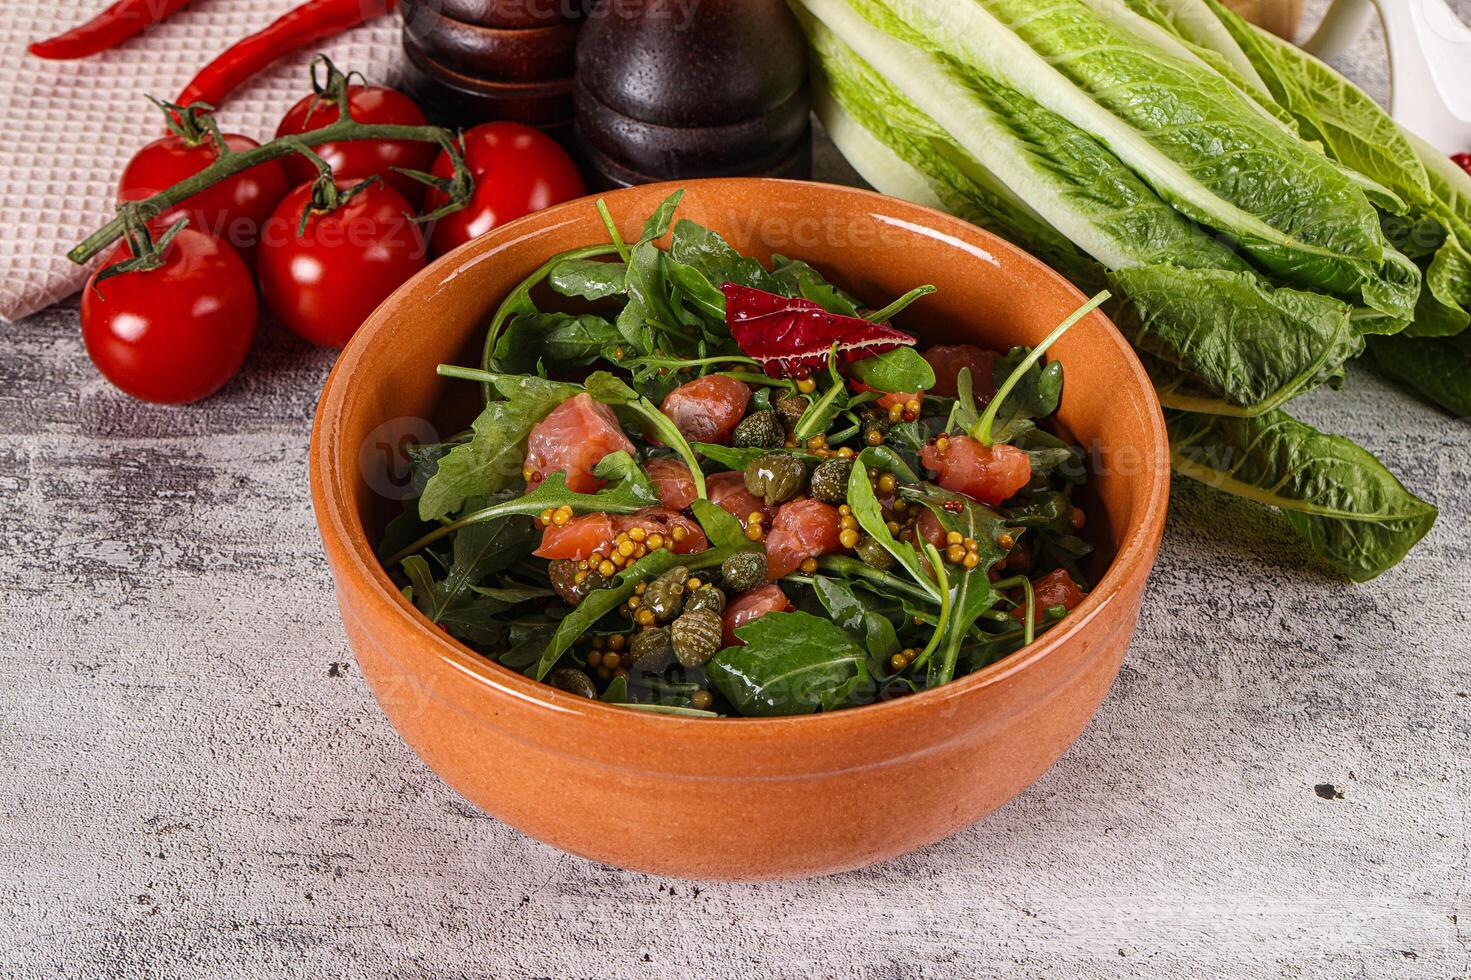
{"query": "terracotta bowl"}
(738, 798)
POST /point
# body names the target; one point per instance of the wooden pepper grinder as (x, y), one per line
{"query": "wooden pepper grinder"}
(674, 90)
(471, 61)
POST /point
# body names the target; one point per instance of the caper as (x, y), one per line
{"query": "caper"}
(573, 681)
(873, 554)
(563, 574)
(743, 570)
(665, 595)
(759, 430)
(696, 637)
(705, 597)
(830, 480)
(775, 477)
(791, 408)
(651, 649)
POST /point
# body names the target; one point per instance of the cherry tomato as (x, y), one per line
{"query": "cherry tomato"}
(517, 170)
(1463, 160)
(990, 474)
(324, 282)
(176, 333)
(360, 159)
(231, 210)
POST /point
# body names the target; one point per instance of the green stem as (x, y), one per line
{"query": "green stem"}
(230, 164)
(1029, 624)
(612, 227)
(853, 568)
(982, 430)
(471, 374)
(679, 364)
(947, 669)
(807, 424)
(509, 508)
(895, 308)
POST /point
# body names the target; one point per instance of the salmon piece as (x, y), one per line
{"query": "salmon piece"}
(589, 533)
(930, 528)
(1056, 588)
(707, 409)
(572, 440)
(753, 605)
(675, 484)
(663, 520)
(578, 538)
(989, 474)
(803, 528)
(948, 359)
(728, 492)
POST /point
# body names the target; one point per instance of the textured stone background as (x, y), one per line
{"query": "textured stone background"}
(195, 781)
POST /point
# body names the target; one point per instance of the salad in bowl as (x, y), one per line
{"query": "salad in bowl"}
(705, 486)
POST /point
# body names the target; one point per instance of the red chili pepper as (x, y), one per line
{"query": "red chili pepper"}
(313, 21)
(790, 336)
(124, 19)
(1464, 159)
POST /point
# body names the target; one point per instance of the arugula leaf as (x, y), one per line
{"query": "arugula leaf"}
(971, 593)
(705, 252)
(721, 527)
(860, 618)
(887, 313)
(1037, 394)
(734, 458)
(702, 295)
(657, 224)
(899, 370)
(1352, 511)
(820, 414)
(588, 279)
(885, 459)
(558, 339)
(870, 517)
(491, 460)
(464, 614)
(792, 664)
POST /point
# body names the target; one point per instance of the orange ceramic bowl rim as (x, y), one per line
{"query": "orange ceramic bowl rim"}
(344, 534)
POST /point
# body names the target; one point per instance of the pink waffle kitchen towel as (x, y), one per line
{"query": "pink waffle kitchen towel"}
(68, 127)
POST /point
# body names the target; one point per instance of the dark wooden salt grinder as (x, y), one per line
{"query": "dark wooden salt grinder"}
(679, 89)
(471, 61)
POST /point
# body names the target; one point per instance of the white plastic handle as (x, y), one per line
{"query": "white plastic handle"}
(1429, 61)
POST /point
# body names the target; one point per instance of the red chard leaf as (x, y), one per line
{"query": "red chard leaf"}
(791, 336)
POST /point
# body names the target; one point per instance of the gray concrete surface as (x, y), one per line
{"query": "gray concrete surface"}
(194, 781)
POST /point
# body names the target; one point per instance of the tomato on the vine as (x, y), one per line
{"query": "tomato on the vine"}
(177, 332)
(231, 210)
(359, 159)
(324, 281)
(517, 170)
